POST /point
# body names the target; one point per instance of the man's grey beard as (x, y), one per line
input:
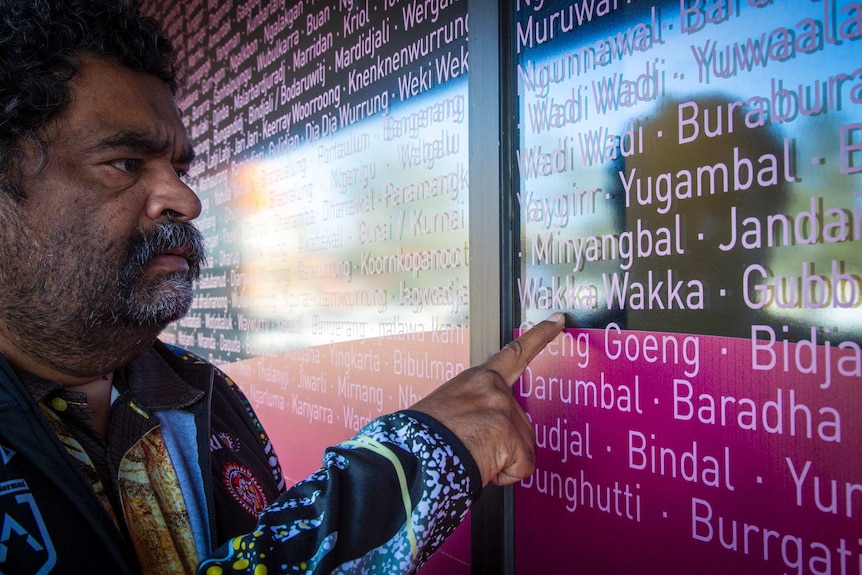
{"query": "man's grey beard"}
(164, 299)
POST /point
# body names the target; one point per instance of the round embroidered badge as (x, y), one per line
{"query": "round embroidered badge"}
(229, 440)
(243, 486)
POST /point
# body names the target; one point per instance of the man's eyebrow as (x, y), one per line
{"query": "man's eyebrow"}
(144, 144)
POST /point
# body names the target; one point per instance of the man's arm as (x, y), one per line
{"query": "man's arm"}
(388, 498)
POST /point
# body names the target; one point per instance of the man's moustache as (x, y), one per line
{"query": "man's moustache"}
(165, 237)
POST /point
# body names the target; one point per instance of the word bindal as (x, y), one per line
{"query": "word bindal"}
(687, 464)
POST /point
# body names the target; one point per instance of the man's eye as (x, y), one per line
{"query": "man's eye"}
(129, 165)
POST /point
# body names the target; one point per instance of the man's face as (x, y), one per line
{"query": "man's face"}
(100, 256)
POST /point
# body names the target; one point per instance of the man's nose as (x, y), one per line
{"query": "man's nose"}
(170, 197)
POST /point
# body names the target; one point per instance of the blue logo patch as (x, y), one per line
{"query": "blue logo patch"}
(25, 546)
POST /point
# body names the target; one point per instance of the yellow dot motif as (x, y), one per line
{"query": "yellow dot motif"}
(59, 404)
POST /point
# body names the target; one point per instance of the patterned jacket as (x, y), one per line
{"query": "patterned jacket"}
(348, 517)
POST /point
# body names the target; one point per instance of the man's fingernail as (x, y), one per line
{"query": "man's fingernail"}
(555, 317)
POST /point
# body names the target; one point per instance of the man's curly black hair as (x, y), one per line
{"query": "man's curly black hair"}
(41, 42)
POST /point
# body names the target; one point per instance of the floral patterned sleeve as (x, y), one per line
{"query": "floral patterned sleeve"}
(381, 504)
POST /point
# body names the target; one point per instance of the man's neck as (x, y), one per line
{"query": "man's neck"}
(75, 372)
(98, 394)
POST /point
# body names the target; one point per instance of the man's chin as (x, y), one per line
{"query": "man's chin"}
(160, 306)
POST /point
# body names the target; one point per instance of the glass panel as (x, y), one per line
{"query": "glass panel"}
(689, 194)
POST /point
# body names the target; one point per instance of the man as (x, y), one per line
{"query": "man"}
(119, 454)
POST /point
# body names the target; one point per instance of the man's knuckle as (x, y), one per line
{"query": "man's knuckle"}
(485, 373)
(514, 347)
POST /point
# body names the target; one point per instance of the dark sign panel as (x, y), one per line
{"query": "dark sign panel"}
(332, 146)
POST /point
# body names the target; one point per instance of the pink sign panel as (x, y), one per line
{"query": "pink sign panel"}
(653, 459)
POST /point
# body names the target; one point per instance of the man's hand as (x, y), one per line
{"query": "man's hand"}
(478, 406)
